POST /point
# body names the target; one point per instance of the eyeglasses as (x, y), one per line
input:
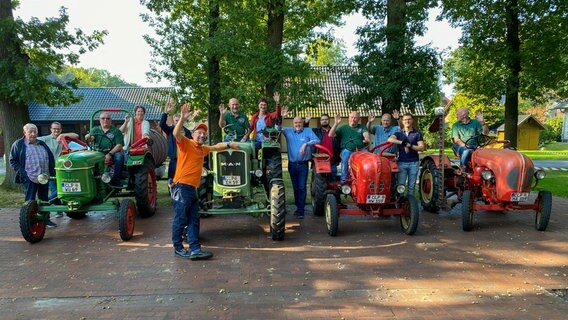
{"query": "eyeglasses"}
(104, 118)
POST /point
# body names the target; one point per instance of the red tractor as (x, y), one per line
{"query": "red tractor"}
(496, 179)
(371, 185)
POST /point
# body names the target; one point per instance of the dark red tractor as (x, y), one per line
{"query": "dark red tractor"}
(371, 185)
(496, 179)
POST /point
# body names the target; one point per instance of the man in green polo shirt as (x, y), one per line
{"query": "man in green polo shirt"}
(465, 129)
(110, 141)
(238, 120)
(351, 137)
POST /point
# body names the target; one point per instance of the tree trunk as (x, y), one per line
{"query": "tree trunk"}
(12, 117)
(214, 78)
(395, 33)
(275, 37)
(514, 65)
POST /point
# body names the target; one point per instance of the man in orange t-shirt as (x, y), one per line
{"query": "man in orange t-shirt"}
(191, 153)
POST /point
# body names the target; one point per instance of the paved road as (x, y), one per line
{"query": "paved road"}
(551, 163)
(504, 269)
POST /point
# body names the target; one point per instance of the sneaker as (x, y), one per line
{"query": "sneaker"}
(182, 253)
(200, 255)
(299, 215)
(50, 224)
(59, 214)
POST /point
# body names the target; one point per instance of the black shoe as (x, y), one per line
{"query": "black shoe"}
(50, 224)
(200, 255)
(182, 253)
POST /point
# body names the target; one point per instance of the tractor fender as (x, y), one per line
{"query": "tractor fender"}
(159, 148)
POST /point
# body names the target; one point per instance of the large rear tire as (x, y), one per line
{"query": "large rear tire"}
(319, 182)
(544, 210)
(331, 215)
(126, 219)
(32, 224)
(272, 166)
(203, 194)
(277, 211)
(409, 220)
(467, 210)
(145, 189)
(429, 186)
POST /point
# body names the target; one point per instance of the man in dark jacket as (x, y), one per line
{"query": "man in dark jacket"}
(31, 157)
(331, 143)
(168, 130)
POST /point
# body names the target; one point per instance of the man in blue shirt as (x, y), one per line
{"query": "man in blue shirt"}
(384, 130)
(409, 142)
(168, 130)
(299, 141)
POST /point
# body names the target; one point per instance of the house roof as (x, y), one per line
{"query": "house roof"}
(522, 119)
(336, 86)
(94, 99)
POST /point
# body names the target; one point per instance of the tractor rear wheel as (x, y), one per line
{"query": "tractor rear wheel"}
(429, 186)
(126, 219)
(409, 220)
(544, 210)
(272, 166)
(76, 215)
(467, 210)
(277, 211)
(145, 190)
(319, 182)
(32, 224)
(331, 215)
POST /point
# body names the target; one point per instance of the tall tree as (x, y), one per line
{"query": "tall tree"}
(29, 53)
(93, 77)
(510, 48)
(216, 49)
(393, 70)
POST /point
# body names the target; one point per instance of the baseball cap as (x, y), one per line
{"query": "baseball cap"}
(201, 126)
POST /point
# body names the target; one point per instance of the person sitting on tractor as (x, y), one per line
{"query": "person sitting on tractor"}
(263, 119)
(141, 126)
(351, 137)
(110, 141)
(464, 131)
(384, 130)
(332, 144)
(410, 141)
(236, 119)
(299, 141)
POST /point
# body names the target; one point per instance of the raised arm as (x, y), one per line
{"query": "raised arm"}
(184, 116)
(222, 110)
(334, 127)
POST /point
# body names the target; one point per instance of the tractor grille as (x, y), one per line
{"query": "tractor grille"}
(232, 168)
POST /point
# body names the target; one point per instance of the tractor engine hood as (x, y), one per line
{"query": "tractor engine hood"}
(371, 175)
(81, 159)
(513, 170)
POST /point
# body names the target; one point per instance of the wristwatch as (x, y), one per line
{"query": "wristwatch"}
(228, 145)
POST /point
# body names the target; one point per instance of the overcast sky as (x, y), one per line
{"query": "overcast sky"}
(125, 53)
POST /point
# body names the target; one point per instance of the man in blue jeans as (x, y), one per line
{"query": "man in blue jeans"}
(464, 130)
(299, 141)
(409, 142)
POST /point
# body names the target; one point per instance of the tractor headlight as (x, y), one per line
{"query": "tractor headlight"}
(401, 188)
(346, 189)
(43, 178)
(539, 174)
(487, 175)
(67, 164)
(106, 177)
(258, 173)
(439, 111)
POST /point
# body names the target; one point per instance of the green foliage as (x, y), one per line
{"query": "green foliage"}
(493, 112)
(326, 52)
(36, 51)
(552, 132)
(93, 77)
(393, 69)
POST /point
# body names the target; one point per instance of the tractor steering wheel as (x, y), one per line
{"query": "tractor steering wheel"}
(352, 142)
(230, 132)
(480, 141)
(97, 146)
(383, 145)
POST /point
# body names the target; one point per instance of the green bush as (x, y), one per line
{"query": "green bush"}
(552, 132)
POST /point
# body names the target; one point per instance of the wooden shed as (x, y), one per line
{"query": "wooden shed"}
(528, 131)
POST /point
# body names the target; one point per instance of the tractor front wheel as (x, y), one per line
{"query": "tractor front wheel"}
(544, 210)
(126, 219)
(277, 211)
(32, 224)
(145, 190)
(409, 220)
(319, 182)
(467, 210)
(429, 186)
(331, 215)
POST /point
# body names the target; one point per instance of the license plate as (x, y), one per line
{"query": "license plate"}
(231, 180)
(375, 198)
(71, 186)
(519, 196)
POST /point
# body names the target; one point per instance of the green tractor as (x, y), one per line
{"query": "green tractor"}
(240, 181)
(83, 177)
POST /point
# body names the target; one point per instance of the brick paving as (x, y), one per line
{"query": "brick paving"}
(371, 270)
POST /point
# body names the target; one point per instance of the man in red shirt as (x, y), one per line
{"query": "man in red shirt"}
(330, 143)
